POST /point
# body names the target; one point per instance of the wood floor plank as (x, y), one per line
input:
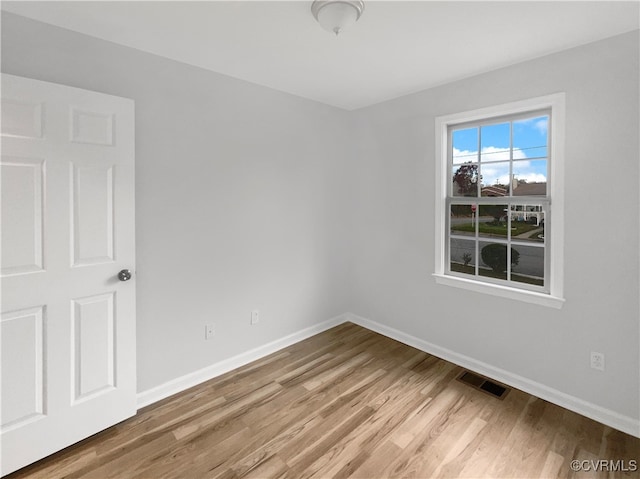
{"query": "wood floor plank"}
(501, 417)
(390, 406)
(308, 455)
(253, 453)
(444, 423)
(235, 408)
(333, 373)
(377, 461)
(346, 403)
(453, 452)
(552, 466)
(203, 459)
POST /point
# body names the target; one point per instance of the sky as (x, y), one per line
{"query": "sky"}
(529, 150)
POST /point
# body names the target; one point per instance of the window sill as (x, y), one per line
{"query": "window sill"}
(501, 291)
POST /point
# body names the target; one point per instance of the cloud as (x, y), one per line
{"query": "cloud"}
(533, 177)
(492, 176)
(542, 125)
(498, 173)
(501, 178)
(493, 153)
(494, 172)
(489, 153)
(464, 156)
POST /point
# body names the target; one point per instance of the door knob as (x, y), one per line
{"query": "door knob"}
(124, 275)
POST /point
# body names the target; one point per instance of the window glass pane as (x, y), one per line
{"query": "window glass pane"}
(465, 146)
(465, 180)
(495, 142)
(530, 137)
(492, 221)
(493, 260)
(463, 254)
(462, 220)
(495, 179)
(530, 178)
(529, 265)
(527, 223)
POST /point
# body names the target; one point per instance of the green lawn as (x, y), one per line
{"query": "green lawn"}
(517, 228)
(536, 236)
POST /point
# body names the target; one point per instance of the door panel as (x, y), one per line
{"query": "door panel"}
(94, 354)
(68, 324)
(92, 127)
(22, 337)
(92, 221)
(21, 119)
(22, 186)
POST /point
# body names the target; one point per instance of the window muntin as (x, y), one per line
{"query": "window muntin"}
(498, 204)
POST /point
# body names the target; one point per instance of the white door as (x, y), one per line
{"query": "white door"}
(67, 330)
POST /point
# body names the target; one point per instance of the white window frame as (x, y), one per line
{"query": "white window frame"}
(554, 247)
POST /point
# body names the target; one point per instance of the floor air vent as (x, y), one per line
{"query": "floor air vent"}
(483, 384)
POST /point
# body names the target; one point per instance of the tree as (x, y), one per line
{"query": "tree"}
(466, 180)
(495, 256)
(461, 210)
(497, 211)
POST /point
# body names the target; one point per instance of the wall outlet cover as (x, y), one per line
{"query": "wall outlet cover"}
(209, 331)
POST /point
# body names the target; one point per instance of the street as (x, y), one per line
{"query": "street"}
(531, 261)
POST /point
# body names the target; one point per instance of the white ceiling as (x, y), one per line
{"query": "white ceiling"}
(396, 48)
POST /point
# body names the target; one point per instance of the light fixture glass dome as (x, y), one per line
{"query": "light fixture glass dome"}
(336, 15)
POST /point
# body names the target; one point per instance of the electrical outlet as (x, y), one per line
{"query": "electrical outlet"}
(255, 316)
(597, 361)
(209, 331)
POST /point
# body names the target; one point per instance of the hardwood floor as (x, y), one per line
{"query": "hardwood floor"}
(345, 403)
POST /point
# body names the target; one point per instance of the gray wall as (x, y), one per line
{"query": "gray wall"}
(394, 227)
(250, 198)
(239, 193)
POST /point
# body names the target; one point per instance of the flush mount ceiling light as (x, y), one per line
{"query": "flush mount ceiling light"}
(336, 15)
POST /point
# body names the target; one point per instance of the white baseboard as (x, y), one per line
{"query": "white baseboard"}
(597, 413)
(182, 383)
(605, 416)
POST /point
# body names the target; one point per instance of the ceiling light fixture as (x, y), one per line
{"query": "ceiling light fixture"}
(336, 15)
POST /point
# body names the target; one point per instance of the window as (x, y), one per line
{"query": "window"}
(499, 208)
